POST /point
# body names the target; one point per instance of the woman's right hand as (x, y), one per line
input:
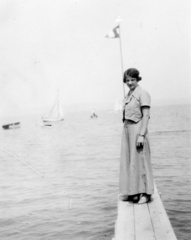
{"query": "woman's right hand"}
(140, 142)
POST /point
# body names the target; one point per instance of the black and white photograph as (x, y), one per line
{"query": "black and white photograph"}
(95, 120)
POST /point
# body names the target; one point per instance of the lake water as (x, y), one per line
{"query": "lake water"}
(79, 159)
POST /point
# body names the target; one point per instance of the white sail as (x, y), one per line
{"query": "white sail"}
(56, 113)
(118, 107)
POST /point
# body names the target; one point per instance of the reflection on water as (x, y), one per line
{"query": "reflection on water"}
(79, 158)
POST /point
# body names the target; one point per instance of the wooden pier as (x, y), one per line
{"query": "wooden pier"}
(143, 221)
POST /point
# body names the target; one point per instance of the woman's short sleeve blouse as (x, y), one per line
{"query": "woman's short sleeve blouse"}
(133, 104)
(145, 99)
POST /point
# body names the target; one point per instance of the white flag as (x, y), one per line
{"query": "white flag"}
(114, 33)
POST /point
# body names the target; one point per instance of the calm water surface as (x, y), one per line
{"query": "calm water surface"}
(79, 159)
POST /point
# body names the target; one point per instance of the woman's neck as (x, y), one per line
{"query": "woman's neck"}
(132, 90)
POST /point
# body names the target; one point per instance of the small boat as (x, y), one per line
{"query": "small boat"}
(94, 115)
(47, 125)
(11, 125)
(56, 112)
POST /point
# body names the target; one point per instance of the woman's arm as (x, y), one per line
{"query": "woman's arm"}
(123, 119)
(145, 121)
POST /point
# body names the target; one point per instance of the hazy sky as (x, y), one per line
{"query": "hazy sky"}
(60, 44)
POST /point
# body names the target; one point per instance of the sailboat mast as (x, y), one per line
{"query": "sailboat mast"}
(56, 113)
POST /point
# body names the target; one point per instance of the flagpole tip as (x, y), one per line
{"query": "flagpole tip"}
(119, 19)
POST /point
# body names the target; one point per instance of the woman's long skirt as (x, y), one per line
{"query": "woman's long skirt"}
(135, 165)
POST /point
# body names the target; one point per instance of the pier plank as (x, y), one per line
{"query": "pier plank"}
(124, 228)
(162, 226)
(143, 224)
(143, 221)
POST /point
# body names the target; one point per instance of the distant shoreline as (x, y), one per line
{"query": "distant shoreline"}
(69, 109)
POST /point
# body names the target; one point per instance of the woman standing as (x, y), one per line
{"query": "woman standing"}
(136, 179)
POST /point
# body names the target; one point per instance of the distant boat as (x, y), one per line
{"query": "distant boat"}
(94, 115)
(56, 112)
(46, 125)
(11, 125)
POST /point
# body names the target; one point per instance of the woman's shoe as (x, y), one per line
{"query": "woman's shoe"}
(144, 198)
(136, 198)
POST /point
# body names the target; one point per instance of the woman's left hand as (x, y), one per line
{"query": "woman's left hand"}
(140, 141)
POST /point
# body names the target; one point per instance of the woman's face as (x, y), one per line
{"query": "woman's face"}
(131, 82)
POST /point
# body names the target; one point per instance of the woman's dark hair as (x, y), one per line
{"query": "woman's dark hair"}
(131, 72)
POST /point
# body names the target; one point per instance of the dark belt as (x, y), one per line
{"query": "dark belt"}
(128, 121)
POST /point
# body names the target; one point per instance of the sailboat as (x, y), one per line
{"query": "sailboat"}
(56, 112)
(94, 115)
(118, 107)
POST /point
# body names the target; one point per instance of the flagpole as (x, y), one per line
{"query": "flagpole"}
(121, 59)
